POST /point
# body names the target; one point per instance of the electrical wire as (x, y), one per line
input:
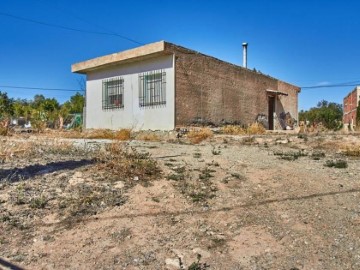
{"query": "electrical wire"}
(63, 10)
(353, 83)
(68, 28)
(42, 88)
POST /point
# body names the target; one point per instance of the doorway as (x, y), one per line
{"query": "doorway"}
(271, 106)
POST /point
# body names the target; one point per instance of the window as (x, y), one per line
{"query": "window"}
(152, 88)
(113, 93)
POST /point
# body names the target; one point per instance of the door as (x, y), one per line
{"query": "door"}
(271, 106)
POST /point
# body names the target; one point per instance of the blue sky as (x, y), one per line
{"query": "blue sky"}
(302, 42)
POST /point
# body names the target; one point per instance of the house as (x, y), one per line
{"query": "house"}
(351, 102)
(161, 86)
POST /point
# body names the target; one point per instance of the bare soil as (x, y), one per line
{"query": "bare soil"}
(231, 202)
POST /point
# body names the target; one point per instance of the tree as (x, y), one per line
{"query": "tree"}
(6, 105)
(77, 103)
(327, 113)
(38, 100)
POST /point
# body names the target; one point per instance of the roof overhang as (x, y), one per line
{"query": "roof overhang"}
(132, 55)
(276, 93)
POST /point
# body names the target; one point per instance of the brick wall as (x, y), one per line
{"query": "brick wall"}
(350, 104)
(215, 91)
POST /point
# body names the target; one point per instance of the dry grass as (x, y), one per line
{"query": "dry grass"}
(253, 129)
(197, 136)
(25, 149)
(152, 137)
(233, 130)
(127, 163)
(352, 151)
(123, 134)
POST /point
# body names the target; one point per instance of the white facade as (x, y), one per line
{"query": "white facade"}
(132, 115)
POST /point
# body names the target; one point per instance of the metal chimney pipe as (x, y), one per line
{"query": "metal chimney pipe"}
(245, 54)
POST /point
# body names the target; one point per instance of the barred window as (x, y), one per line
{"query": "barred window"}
(113, 93)
(152, 88)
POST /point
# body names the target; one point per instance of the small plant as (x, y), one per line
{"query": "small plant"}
(317, 155)
(179, 170)
(215, 152)
(206, 174)
(290, 156)
(176, 177)
(198, 265)
(339, 164)
(38, 203)
(155, 199)
(303, 136)
(198, 196)
(248, 140)
(121, 235)
(197, 155)
(197, 136)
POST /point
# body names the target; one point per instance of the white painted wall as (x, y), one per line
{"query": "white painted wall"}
(133, 116)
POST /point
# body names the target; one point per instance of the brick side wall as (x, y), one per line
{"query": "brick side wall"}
(350, 104)
(215, 91)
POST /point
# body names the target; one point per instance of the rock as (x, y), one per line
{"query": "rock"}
(204, 254)
(119, 184)
(172, 263)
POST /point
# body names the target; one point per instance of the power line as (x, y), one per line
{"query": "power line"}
(69, 28)
(354, 83)
(42, 88)
(61, 9)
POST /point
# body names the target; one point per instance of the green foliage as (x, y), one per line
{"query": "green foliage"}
(6, 105)
(40, 111)
(327, 113)
(340, 164)
(77, 103)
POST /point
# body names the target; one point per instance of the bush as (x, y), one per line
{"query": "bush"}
(197, 136)
(340, 164)
(255, 128)
(123, 134)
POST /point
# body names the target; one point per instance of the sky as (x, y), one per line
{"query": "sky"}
(305, 43)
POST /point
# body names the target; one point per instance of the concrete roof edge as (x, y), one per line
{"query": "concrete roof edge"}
(114, 58)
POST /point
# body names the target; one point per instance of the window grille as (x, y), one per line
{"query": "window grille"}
(152, 88)
(113, 93)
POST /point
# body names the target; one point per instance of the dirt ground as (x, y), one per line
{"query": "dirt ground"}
(276, 201)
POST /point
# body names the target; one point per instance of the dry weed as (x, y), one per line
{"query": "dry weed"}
(353, 151)
(10, 150)
(197, 136)
(255, 128)
(152, 137)
(123, 134)
(100, 134)
(127, 164)
(233, 130)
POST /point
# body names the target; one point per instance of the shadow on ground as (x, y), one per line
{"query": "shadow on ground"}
(236, 207)
(20, 174)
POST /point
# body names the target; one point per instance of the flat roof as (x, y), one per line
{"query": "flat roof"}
(146, 51)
